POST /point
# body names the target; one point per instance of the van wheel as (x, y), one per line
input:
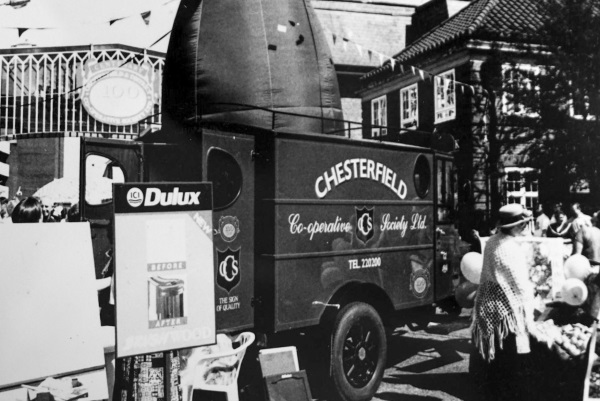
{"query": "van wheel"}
(358, 352)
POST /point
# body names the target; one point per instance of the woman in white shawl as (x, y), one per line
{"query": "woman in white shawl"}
(503, 312)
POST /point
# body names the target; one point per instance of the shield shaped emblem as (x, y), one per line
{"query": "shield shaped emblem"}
(229, 227)
(364, 224)
(228, 275)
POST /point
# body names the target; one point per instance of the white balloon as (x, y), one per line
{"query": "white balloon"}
(471, 265)
(577, 266)
(574, 291)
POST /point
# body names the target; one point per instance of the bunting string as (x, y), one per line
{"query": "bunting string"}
(386, 61)
(145, 15)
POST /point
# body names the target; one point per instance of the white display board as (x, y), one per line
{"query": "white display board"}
(48, 303)
(164, 267)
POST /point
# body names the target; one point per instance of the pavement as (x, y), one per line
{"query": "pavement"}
(425, 364)
(430, 364)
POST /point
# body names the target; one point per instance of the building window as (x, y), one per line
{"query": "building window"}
(579, 107)
(409, 107)
(379, 116)
(521, 185)
(445, 97)
(521, 93)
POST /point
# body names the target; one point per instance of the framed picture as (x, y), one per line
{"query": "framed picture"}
(275, 361)
(288, 387)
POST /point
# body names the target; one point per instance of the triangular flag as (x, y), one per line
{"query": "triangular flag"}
(402, 68)
(146, 17)
(462, 89)
(413, 69)
(334, 37)
(359, 48)
(380, 59)
(472, 89)
(21, 31)
(393, 63)
(370, 53)
(422, 74)
(159, 39)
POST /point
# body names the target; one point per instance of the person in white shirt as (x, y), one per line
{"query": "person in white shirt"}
(541, 222)
(579, 219)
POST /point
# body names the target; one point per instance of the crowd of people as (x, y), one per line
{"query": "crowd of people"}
(34, 210)
(505, 337)
(572, 225)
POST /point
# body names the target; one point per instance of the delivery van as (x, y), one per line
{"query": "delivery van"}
(316, 234)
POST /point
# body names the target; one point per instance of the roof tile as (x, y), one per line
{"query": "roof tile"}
(482, 19)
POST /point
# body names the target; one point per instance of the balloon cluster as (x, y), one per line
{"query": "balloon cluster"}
(574, 291)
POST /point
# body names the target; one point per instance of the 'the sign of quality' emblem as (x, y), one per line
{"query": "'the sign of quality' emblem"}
(229, 269)
(364, 224)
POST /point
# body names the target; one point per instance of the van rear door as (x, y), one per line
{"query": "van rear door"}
(447, 239)
(228, 164)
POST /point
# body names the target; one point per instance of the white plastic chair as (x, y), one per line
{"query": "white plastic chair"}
(219, 371)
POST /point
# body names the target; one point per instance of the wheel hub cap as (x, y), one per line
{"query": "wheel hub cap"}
(362, 353)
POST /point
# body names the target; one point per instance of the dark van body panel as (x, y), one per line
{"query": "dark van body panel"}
(336, 211)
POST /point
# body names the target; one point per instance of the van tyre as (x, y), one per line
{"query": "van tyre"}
(358, 352)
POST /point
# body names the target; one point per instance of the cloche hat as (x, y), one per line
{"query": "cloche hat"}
(512, 215)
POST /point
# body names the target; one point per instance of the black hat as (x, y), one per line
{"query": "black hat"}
(512, 215)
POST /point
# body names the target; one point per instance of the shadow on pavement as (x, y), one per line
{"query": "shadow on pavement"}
(426, 364)
(406, 397)
(436, 353)
(458, 385)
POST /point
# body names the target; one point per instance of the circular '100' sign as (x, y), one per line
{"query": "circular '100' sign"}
(118, 96)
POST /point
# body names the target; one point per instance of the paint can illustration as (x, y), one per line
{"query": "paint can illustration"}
(168, 294)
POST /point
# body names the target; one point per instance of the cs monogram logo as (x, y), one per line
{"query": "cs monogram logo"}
(229, 269)
(364, 224)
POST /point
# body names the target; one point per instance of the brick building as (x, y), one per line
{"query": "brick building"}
(384, 27)
(443, 82)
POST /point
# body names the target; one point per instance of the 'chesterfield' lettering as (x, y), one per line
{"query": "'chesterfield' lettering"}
(351, 169)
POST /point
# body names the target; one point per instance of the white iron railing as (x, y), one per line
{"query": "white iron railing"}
(40, 90)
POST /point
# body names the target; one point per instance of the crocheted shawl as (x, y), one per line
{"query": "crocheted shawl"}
(504, 301)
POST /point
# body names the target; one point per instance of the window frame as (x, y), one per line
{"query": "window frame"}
(380, 118)
(524, 190)
(443, 109)
(508, 106)
(410, 122)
